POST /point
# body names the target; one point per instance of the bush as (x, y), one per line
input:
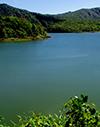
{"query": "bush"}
(81, 114)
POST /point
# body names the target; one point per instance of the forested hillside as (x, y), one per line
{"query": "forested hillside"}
(19, 23)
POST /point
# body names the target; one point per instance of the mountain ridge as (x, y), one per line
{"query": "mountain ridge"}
(87, 12)
(86, 9)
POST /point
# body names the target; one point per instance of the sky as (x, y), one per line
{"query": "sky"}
(52, 6)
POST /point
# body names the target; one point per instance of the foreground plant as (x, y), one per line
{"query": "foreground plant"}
(40, 120)
(81, 114)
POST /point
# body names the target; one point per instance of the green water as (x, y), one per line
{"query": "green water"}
(41, 75)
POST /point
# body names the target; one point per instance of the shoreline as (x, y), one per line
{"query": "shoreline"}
(39, 37)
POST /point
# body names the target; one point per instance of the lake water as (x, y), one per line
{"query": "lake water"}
(40, 76)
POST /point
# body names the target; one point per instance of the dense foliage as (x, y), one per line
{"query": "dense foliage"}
(77, 112)
(70, 25)
(14, 27)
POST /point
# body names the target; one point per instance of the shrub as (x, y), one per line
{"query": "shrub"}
(81, 114)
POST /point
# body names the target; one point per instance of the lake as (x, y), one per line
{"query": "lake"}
(42, 75)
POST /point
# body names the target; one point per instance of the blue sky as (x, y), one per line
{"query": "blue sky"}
(52, 6)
